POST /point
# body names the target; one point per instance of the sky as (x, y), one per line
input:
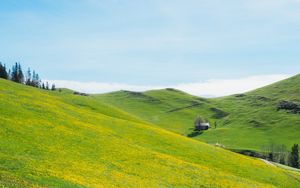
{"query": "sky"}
(204, 47)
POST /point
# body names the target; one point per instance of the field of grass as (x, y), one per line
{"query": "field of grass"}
(170, 109)
(244, 121)
(254, 120)
(287, 167)
(57, 139)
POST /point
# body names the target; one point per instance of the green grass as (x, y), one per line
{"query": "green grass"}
(287, 167)
(254, 120)
(170, 109)
(247, 121)
(52, 139)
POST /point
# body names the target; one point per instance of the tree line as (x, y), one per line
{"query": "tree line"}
(280, 154)
(30, 78)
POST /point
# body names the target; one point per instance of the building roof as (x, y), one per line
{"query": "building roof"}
(204, 124)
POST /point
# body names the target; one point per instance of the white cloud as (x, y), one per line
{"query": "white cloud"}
(208, 88)
(98, 87)
(223, 87)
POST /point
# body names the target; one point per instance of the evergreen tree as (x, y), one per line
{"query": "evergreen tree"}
(3, 72)
(38, 81)
(28, 77)
(14, 73)
(9, 74)
(294, 156)
(53, 87)
(33, 81)
(17, 73)
(6, 74)
(20, 74)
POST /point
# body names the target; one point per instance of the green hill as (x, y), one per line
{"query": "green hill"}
(170, 109)
(53, 139)
(255, 120)
(244, 121)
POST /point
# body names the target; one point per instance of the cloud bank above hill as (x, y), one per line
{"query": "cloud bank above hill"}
(207, 88)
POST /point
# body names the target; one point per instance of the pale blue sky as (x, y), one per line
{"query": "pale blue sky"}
(151, 42)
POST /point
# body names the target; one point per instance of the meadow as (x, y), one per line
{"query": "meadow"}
(57, 139)
(246, 121)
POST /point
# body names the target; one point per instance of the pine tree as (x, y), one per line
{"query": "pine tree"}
(38, 81)
(28, 78)
(3, 72)
(17, 73)
(20, 74)
(9, 74)
(33, 81)
(53, 87)
(14, 73)
(294, 156)
(6, 74)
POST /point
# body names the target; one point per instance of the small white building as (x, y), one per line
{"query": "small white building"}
(204, 126)
(201, 125)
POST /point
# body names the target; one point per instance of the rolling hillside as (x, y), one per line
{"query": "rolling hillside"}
(255, 120)
(170, 109)
(53, 139)
(244, 121)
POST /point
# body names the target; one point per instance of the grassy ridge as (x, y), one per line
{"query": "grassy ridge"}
(51, 139)
(245, 121)
(254, 120)
(170, 109)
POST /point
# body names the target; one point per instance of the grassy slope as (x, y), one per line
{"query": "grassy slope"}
(170, 109)
(56, 139)
(253, 120)
(270, 126)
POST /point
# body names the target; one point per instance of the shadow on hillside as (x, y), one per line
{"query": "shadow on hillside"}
(194, 134)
